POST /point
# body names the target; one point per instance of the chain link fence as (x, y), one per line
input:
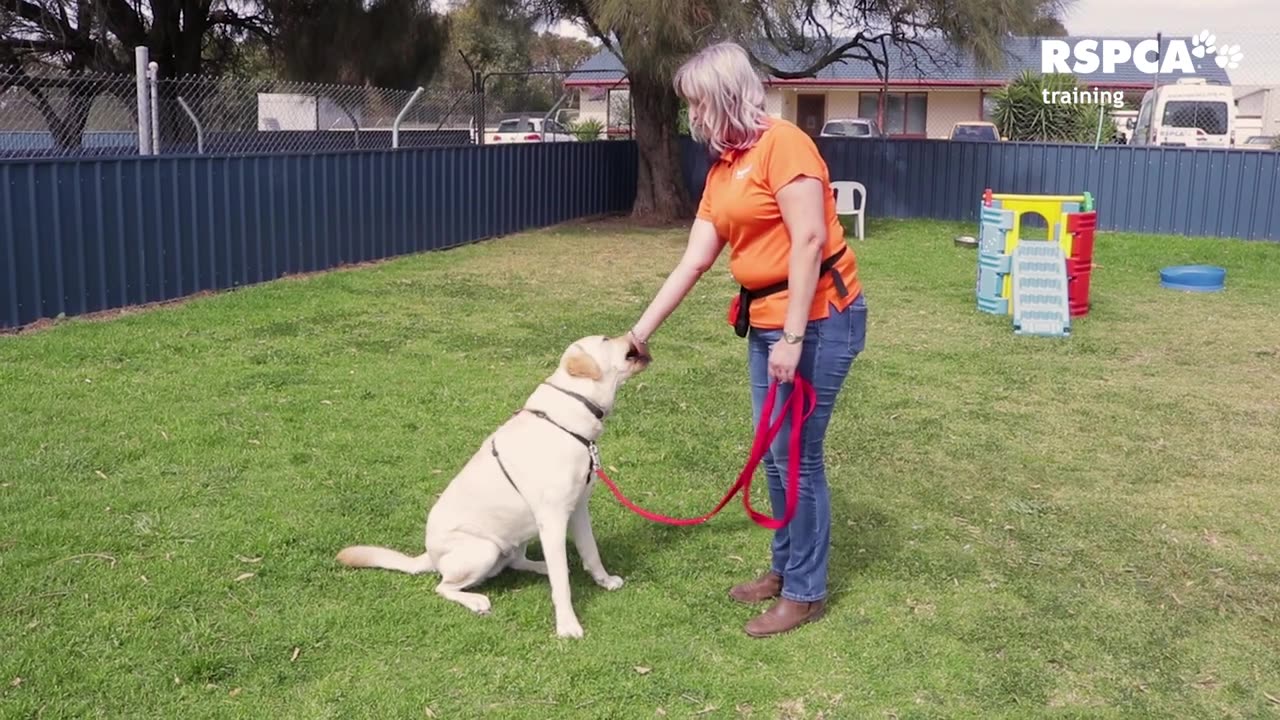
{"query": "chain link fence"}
(77, 115)
(227, 116)
(91, 115)
(87, 115)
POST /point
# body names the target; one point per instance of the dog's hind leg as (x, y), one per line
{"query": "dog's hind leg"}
(467, 563)
(522, 562)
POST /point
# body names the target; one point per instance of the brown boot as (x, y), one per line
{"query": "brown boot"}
(785, 615)
(765, 587)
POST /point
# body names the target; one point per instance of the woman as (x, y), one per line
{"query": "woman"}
(768, 197)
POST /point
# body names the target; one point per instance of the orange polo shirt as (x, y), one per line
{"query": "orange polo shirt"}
(740, 200)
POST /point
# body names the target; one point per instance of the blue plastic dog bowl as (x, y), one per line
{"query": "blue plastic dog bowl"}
(1194, 278)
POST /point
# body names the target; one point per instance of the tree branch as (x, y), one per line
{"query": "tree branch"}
(584, 14)
(26, 10)
(125, 22)
(858, 48)
(44, 45)
(228, 18)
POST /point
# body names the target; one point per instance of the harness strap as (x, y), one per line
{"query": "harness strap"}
(576, 436)
(592, 449)
(594, 408)
(493, 445)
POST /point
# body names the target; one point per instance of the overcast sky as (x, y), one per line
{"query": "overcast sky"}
(1254, 25)
(1135, 17)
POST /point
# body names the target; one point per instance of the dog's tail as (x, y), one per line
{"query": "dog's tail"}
(368, 556)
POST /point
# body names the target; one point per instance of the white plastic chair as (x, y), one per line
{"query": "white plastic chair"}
(847, 204)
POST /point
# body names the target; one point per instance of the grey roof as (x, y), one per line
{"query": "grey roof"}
(939, 62)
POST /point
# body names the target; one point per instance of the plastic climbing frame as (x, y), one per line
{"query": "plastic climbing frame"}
(1071, 221)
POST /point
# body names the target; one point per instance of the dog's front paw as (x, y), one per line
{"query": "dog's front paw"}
(609, 582)
(569, 628)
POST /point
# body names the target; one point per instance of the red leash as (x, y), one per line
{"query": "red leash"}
(801, 393)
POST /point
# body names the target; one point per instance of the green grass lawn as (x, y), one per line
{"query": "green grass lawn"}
(1025, 527)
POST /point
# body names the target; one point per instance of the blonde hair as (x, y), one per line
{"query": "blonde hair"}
(730, 94)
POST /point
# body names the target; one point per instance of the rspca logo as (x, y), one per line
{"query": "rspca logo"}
(1086, 57)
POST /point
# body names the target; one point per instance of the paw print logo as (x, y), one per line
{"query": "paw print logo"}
(1229, 57)
(1203, 44)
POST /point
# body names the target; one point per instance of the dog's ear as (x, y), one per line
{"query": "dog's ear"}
(580, 364)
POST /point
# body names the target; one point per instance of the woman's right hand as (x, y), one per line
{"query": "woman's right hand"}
(639, 346)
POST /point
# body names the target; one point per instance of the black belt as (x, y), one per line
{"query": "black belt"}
(742, 322)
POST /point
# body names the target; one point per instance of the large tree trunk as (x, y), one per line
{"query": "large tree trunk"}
(661, 196)
(67, 126)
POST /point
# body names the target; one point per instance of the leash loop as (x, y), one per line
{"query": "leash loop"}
(802, 396)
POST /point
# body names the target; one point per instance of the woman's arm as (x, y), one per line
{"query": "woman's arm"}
(803, 212)
(801, 204)
(699, 255)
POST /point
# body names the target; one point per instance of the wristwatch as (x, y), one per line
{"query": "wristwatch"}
(791, 338)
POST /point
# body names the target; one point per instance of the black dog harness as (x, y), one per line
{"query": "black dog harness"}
(592, 449)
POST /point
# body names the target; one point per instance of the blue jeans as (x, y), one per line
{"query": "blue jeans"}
(801, 549)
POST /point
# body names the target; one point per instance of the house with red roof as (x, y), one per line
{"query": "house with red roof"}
(926, 91)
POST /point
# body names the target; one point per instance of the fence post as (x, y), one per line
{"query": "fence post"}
(395, 127)
(141, 63)
(478, 81)
(194, 121)
(354, 125)
(153, 75)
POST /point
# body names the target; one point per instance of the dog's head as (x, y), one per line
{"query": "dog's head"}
(605, 361)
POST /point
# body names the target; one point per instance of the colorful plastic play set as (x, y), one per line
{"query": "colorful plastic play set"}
(1042, 284)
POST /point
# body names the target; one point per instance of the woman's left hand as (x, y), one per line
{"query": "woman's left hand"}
(783, 359)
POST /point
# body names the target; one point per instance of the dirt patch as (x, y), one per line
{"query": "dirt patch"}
(140, 308)
(107, 315)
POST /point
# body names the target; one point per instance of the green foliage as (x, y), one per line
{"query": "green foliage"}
(682, 126)
(1025, 110)
(386, 43)
(587, 130)
(496, 36)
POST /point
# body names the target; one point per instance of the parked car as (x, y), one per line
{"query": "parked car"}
(851, 127)
(975, 131)
(1259, 142)
(1188, 113)
(530, 129)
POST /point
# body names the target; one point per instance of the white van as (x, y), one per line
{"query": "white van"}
(1189, 113)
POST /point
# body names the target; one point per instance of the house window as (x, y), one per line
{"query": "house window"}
(869, 106)
(988, 107)
(899, 113)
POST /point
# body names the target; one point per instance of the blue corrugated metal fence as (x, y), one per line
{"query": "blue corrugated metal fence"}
(1177, 191)
(97, 233)
(83, 235)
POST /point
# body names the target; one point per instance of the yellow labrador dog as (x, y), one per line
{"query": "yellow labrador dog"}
(532, 477)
